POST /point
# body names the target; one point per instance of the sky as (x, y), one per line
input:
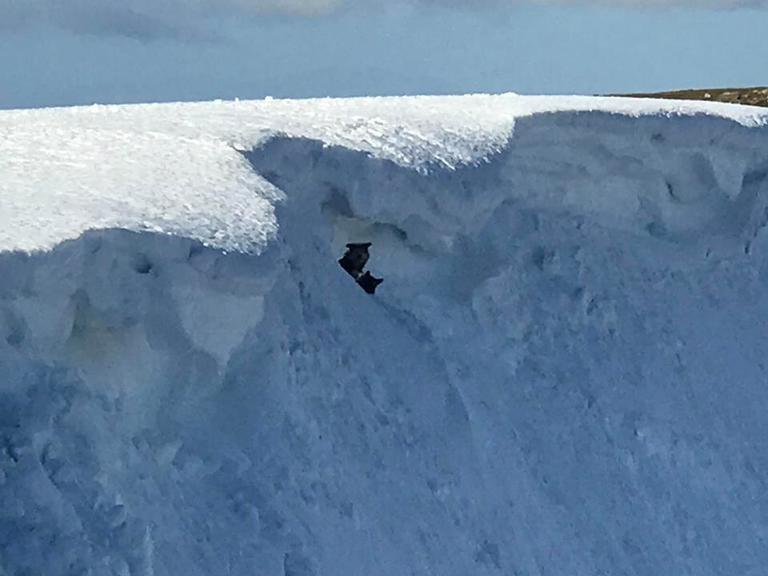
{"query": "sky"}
(56, 53)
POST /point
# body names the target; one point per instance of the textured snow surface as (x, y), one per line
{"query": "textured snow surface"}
(174, 168)
(564, 372)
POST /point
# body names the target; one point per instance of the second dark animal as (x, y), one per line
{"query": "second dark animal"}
(369, 283)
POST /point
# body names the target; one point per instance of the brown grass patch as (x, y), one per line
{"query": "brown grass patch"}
(750, 96)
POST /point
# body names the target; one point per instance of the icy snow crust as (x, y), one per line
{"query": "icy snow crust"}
(562, 374)
(175, 168)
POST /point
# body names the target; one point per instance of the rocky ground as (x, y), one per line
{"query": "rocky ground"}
(751, 96)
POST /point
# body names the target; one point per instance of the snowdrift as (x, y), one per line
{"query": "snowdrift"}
(563, 373)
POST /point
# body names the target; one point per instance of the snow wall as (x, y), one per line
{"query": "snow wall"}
(563, 373)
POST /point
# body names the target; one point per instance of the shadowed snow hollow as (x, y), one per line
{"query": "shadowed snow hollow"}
(563, 373)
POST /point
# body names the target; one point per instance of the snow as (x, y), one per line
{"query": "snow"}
(563, 372)
(65, 171)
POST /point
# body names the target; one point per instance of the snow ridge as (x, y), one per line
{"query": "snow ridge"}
(65, 171)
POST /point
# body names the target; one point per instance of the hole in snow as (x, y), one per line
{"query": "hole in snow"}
(142, 265)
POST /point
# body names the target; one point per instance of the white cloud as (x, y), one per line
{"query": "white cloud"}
(298, 7)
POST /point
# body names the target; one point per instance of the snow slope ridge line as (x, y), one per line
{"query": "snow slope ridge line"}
(172, 168)
(681, 180)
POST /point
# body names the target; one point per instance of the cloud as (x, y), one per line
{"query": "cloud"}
(150, 19)
(146, 19)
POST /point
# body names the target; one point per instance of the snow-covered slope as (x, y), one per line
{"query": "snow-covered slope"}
(563, 373)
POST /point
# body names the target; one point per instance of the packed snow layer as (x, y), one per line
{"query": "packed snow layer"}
(175, 168)
(564, 372)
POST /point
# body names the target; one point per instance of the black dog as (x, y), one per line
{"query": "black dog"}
(353, 262)
(355, 259)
